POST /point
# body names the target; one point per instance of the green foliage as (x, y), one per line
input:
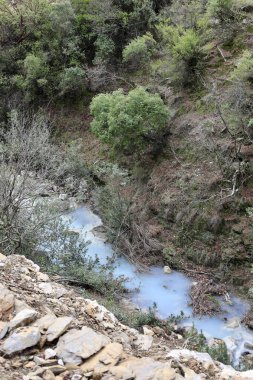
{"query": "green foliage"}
(187, 46)
(105, 48)
(197, 341)
(34, 80)
(223, 10)
(186, 51)
(240, 94)
(72, 81)
(114, 210)
(138, 52)
(244, 68)
(127, 123)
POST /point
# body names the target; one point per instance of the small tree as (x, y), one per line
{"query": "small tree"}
(72, 81)
(187, 53)
(130, 122)
(244, 68)
(223, 10)
(138, 52)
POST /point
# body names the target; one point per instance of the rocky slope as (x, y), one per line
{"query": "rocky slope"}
(48, 331)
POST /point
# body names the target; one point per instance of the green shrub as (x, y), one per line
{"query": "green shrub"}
(34, 80)
(197, 341)
(188, 50)
(138, 52)
(240, 93)
(105, 48)
(128, 123)
(244, 68)
(186, 53)
(72, 81)
(223, 10)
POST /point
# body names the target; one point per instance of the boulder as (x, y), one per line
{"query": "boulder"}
(20, 305)
(186, 354)
(22, 338)
(80, 344)
(167, 269)
(248, 345)
(6, 303)
(58, 327)
(46, 287)
(49, 353)
(108, 356)
(56, 290)
(100, 314)
(23, 318)
(42, 277)
(144, 342)
(233, 323)
(148, 331)
(145, 369)
(3, 329)
(44, 322)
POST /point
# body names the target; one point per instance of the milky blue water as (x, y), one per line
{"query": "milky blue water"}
(170, 292)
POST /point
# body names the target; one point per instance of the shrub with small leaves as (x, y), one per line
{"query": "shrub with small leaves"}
(244, 68)
(138, 52)
(128, 123)
(72, 81)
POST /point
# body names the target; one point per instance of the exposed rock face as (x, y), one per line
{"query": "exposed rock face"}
(97, 347)
(77, 345)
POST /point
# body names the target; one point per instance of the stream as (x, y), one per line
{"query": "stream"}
(170, 292)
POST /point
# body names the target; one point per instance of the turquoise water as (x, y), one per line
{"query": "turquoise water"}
(170, 292)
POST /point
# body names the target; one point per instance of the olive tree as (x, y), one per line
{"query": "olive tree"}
(130, 122)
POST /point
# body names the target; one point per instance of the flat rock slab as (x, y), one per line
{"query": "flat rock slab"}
(43, 323)
(145, 369)
(80, 344)
(23, 318)
(108, 356)
(58, 327)
(56, 290)
(144, 342)
(22, 338)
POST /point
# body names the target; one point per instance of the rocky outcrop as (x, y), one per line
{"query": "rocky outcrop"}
(59, 335)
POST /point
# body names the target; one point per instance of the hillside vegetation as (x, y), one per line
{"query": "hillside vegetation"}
(150, 100)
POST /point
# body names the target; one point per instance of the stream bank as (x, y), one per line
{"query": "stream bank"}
(170, 292)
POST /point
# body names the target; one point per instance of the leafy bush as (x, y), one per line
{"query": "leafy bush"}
(34, 79)
(197, 341)
(72, 81)
(185, 53)
(244, 68)
(240, 94)
(128, 123)
(138, 52)
(223, 10)
(105, 47)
